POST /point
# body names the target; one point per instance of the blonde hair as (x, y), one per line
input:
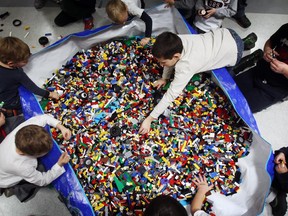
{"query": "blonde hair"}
(13, 49)
(115, 9)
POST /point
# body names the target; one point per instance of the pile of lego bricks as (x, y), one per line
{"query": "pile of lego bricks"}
(107, 91)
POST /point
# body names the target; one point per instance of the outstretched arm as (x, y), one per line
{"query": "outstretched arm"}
(202, 189)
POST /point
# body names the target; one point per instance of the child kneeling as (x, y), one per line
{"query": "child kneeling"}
(18, 157)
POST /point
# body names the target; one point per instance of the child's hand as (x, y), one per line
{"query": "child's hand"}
(144, 41)
(2, 119)
(279, 67)
(145, 126)
(281, 168)
(270, 54)
(54, 95)
(210, 13)
(65, 131)
(280, 158)
(169, 3)
(202, 184)
(159, 83)
(63, 159)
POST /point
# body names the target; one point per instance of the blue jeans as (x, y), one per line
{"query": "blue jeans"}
(239, 43)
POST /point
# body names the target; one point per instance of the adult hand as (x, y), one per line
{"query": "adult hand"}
(63, 159)
(54, 95)
(210, 13)
(280, 158)
(2, 119)
(159, 83)
(202, 184)
(144, 41)
(145, 126)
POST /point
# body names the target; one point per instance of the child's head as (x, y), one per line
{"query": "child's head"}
(33, 140)
(165, 205)
(167, 49)
(117, 11)
(14, 52)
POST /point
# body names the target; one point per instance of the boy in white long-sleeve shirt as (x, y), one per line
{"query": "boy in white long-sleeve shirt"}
(188, 55)
(18, 157)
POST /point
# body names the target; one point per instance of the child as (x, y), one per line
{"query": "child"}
(19, 152)
(280, 182)
(14, 54)
(168, 206)
(119, 10)
(211, 13)
(268, 80)
(188, 55)
(185, 7)
(74, 10)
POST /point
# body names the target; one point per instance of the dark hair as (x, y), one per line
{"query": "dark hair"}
(165, 205)
(167, 44)
(33, 140)
(13, 49)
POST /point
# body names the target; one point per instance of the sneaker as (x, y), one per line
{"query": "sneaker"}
(249, 41)
(243, 21)
(38, 4)
(280, 208)
(248, 61)
(88, 23)
(9, 192)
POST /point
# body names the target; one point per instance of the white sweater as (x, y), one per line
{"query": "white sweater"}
(15, 167)
(200, 53)
(134, 7)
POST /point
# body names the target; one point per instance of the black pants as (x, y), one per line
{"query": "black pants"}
(258, 93)
(78, 9)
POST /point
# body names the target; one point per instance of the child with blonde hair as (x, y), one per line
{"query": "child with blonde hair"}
(119, 10)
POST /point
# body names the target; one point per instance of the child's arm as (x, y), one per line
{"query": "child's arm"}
(148, 31)
(31, 86)
(181, 79)
(44, 178)
(228, 11)
(202, 189)
(65, 131)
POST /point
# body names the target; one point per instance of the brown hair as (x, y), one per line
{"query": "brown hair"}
(33, 140)
(167, 45)
(115, 9)
(13, 49)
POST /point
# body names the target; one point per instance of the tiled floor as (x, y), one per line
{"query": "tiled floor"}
(272, 122)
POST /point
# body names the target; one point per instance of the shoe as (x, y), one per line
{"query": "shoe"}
(38, 4)
(1, 191)
(280, 208)
(88, 23)
(243, 21)
(64, 19)
(248, 61)
(249, 41)
(9, 192)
